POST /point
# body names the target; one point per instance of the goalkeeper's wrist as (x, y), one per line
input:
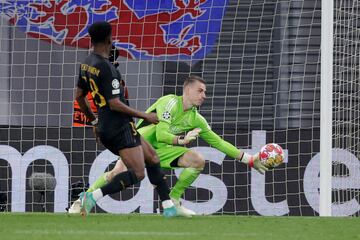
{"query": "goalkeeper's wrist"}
(247, 159)
(180, 141)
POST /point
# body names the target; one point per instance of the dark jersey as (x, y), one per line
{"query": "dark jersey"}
(100, 77)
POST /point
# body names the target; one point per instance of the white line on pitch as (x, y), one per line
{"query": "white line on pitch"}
(125, 233)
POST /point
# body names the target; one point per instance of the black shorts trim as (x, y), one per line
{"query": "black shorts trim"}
(175, 163)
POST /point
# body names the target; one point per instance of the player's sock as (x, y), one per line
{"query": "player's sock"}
(167, 204)
(158, 179)
(186, 178)
(120, 182)
(97, 194)
(100, 182)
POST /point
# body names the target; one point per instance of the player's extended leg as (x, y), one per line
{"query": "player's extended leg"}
(193, 163)
(157, 178)
(108, 176)
(100, 182)
(133, 158)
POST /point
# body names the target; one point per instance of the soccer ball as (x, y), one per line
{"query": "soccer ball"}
(272, 155)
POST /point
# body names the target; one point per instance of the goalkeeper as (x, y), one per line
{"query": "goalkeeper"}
(178, 115)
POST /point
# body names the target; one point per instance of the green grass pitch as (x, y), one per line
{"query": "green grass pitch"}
(135, 226)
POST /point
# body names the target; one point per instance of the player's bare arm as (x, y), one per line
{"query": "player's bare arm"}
(116, 105)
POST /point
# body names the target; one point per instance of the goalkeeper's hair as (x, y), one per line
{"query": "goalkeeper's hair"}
(99, 32)
(193, 78)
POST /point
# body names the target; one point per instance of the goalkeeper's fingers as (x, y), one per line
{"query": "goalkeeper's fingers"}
(195, 132)
(198, 130)
(192, 138)
(260, 167)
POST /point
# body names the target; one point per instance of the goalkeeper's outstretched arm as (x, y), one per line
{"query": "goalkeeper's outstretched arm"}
(216, 141)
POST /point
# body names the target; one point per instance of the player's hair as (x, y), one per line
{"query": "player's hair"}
(193, 78)
(99, 32)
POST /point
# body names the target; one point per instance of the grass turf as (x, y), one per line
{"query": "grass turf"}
(135, 226)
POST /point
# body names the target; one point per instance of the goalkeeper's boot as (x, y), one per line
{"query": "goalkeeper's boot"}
(182, 211)
(87, 202)
(170, 212)
(75, 207)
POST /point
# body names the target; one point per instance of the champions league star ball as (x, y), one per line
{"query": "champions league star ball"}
(272, 155)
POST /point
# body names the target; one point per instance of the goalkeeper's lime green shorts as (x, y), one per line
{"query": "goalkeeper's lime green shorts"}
(169, 154)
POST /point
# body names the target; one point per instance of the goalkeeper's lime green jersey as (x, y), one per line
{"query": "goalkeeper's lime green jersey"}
(173, 120)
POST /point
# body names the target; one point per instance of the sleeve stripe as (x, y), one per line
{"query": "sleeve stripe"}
(171, 104)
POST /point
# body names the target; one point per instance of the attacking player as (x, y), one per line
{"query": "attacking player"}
(116, 129)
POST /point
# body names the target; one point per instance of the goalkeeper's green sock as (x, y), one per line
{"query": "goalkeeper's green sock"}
(100, 182)
(186, 178)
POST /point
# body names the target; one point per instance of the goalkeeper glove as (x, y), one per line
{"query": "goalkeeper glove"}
(254, 162)
(190, 136)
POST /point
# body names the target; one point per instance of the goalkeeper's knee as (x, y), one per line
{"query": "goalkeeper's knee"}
(197, 161)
